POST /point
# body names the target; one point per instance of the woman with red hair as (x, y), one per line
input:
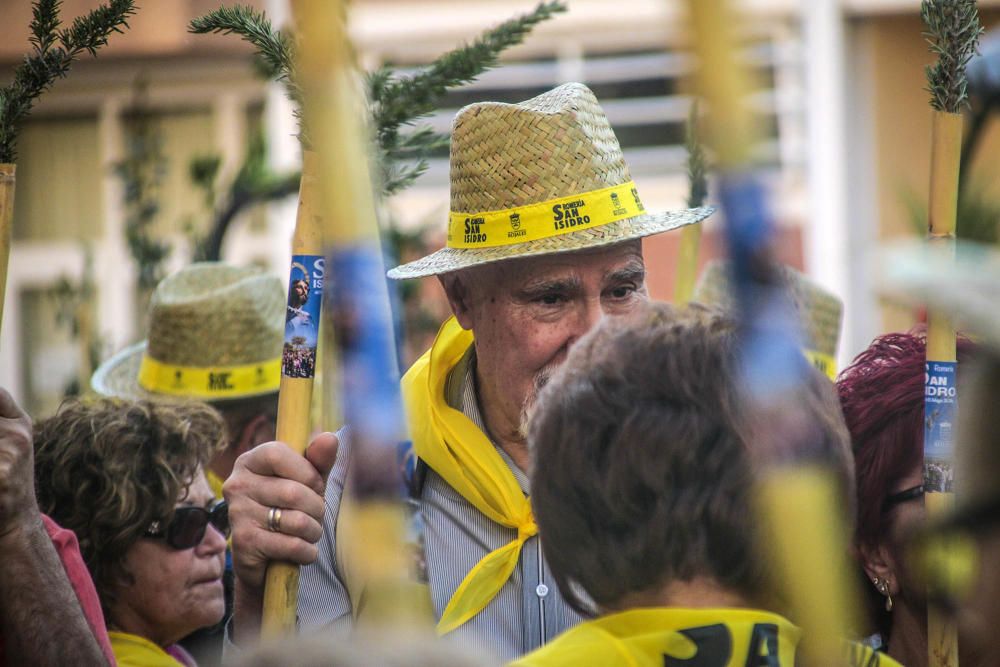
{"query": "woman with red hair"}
(882, 396)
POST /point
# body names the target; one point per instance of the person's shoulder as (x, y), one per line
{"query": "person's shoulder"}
(584, 645)
(135, 651)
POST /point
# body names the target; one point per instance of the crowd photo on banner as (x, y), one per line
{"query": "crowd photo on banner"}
(434, 334)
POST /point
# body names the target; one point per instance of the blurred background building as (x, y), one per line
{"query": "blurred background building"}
(839, 91)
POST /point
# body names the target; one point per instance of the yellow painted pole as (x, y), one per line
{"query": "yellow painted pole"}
(372, 519)
(281, 586)
(7, 172)
(946, 153)
(797, 500)
(687, 263)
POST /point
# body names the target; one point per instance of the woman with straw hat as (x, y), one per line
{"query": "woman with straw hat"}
(544, 240)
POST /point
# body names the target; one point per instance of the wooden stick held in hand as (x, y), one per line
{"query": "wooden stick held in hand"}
(298, 366)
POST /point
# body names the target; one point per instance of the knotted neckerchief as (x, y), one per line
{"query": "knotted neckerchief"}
(457, 450)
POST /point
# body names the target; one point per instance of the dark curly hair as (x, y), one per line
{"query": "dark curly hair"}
(106, 469)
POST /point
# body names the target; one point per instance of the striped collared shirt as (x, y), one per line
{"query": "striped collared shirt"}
(526, 613)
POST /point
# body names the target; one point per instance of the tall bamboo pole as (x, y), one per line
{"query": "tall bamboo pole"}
(952, 30)
(373, 518)
(7, 172)
(796, 497)
(281, 587)
(939, 398)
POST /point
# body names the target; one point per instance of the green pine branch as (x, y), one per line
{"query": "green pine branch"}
(394, 101)
(953, 30)
(275, 49)
(52, 52)
(696, 163)
(400, 101)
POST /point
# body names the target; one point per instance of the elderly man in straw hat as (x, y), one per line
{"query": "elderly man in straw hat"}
(544, 240)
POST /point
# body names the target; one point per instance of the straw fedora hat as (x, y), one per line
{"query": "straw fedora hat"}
(215, 333)
(820, 312)
(539, 177)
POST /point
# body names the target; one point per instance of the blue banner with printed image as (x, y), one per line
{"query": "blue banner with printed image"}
(305, 299)
(940, 405)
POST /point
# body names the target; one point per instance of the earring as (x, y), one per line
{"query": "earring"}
(882, 586)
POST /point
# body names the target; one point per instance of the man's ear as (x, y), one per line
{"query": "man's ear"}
(459, 298)
(255, 431)
(879, 564)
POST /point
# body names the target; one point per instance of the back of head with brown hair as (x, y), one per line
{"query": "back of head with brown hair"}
(642, 469)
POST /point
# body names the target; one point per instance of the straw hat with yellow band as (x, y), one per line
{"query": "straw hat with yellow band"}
(215, 335)
(540, 177)
(820, 311)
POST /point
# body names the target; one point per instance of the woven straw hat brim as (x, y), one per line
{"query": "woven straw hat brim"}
(208, 315)
(820, 311)
(453, 259)
(119, 377)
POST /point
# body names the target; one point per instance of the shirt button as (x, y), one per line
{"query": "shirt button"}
(541, 590)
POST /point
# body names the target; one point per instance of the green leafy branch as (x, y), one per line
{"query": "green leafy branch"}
(53, 50)
(275, 49)
(394, 100)
(953, 30)
(397, 101)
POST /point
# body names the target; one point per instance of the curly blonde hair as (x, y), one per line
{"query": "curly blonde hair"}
(106, 469)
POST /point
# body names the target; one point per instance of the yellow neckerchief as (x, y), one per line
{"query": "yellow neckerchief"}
(135, 651)
(664, 636)
(457, 450)
(215, 483)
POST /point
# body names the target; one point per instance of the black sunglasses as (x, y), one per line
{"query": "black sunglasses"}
(187, 528)
(903, 496)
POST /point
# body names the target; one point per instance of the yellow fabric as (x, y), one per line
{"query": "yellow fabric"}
(136, 651)
(457, 450)
(661, 637)
(215, 483)
(214, 383)
(823, 362)
(543, 220)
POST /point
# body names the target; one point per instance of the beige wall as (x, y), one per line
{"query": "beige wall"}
(901, 115)
(159, 28)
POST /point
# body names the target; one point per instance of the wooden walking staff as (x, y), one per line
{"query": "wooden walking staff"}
(372, 519)
(953, 30)
(373, 516)
(281, 587)
(796, 495)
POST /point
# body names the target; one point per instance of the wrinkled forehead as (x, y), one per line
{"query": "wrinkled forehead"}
(602, 262)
